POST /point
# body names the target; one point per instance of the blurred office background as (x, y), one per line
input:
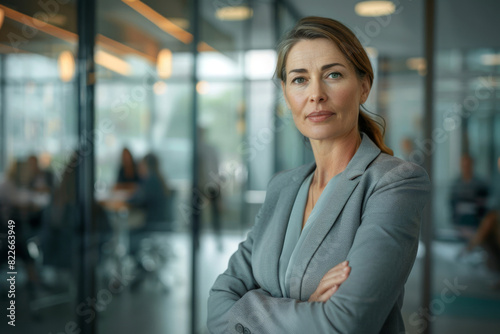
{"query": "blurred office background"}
(186, 86)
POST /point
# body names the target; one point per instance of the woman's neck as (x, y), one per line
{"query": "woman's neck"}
(333, 156)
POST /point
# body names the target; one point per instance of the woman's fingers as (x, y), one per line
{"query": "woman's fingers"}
(339, 267)
(332, 280)
(330, 283)
(328, 293)
(337, 271)
(336, 275)
(336, 278)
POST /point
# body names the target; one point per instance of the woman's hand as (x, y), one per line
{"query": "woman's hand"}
(330, 283)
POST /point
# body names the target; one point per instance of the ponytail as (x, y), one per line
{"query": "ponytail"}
(374, 130)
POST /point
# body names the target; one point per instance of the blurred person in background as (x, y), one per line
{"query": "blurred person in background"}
(468, 199)
(60, 237)
(40, 184)
(488, 233)
(153, 198)
(39, 180)
(406, 148)
(152, 192)
(128, 176)
(210, 182)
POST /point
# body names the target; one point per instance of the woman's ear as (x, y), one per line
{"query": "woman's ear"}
(283, 89)
(365, 89)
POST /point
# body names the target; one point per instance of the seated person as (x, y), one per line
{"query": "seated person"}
(152, 196)
(128, 177)
(468, 200)
(488, 233)
(152, 193)
(39, 180)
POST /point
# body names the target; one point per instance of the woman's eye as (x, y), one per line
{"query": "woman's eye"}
(298, 80)
(334, 75)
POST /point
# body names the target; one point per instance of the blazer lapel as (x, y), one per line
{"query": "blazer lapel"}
(348, 181)
(277, 231)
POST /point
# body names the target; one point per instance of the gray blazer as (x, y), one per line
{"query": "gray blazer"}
(373, 222)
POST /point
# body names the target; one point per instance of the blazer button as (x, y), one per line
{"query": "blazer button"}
(246, 331)
(239, 328)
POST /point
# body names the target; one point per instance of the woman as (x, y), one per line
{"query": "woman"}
(335, 240)
(128, 177)
(152, 193)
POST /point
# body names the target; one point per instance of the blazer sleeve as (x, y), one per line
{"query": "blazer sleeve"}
(381, 257)
(232, 285)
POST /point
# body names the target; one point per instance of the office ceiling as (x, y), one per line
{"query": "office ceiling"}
(460, 24)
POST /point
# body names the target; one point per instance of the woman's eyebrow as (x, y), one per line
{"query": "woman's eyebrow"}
(298, 70)
(324, 67)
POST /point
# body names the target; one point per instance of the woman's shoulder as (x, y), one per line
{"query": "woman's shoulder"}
(391, 169)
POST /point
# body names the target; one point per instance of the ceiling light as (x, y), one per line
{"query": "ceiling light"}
(160, 21)
(120, 48)
(66, 64)
(2, 16)
(234, 13)
(490, 59)
(36, 24)
(164, 64)
(375, 8)
(112, 63)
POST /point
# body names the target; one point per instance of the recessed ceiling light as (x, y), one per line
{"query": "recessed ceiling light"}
(234, 13)
(375, 8)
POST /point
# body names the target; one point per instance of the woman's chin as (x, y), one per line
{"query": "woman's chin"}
(321, 135)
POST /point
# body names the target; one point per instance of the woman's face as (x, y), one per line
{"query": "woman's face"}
(323, 90)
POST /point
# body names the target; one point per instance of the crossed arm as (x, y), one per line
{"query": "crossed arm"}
(380, 260)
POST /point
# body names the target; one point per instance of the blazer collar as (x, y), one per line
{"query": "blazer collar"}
(366, 153)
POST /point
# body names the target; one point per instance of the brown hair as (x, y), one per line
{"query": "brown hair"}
(314, 27)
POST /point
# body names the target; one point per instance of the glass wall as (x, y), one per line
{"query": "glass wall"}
(39, 167)
(144, 162)
(465, 147)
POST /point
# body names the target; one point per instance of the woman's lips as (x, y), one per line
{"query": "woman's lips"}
(319, 116)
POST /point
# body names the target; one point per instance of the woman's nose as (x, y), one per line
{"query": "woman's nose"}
(317, 91)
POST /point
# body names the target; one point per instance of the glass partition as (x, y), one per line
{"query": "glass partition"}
(466, 150)
(39, 163)
(143, 163)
